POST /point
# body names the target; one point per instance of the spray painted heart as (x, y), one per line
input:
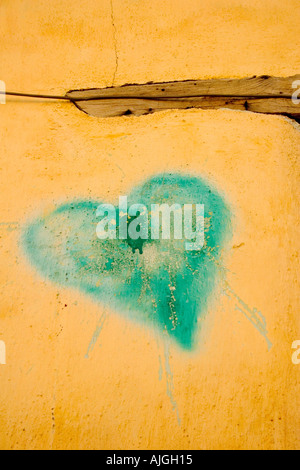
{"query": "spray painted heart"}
(157, 282)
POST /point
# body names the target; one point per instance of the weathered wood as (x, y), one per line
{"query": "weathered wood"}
(269, 95)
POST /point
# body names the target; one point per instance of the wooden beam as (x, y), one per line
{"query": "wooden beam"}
(268, 95)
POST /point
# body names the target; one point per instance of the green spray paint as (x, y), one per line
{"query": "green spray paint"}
(156, 282)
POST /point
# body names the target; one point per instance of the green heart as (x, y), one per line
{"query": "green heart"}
(156, 282)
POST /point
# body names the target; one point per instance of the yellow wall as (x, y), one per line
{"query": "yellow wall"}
(232, 392)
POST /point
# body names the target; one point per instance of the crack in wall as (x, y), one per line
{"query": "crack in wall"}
(270, 96)
(115, 41)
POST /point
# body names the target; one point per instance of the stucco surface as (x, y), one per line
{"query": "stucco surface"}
(61, 45)
(232, 392)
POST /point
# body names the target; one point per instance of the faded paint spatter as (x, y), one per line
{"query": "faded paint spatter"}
(170, 382)
(160, 371)
(156, 282)
(252, 314)
(9, 226)
(96, 334)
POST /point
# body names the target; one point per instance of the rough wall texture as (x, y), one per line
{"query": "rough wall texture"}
(131, 389)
